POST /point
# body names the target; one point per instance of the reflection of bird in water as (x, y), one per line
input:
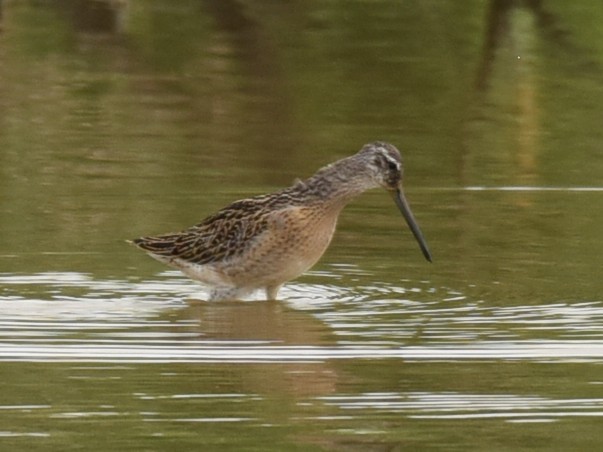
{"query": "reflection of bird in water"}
(265, 241)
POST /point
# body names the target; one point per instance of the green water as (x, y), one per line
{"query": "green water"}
(119, 119)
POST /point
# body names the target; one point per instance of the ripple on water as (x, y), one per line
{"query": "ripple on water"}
(454, 405)
(75, 317)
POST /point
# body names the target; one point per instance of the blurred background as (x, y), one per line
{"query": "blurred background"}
(125, 118)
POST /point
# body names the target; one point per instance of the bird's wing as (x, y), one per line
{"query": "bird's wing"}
(220, 236)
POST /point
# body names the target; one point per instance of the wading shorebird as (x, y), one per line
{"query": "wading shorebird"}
(264, 241)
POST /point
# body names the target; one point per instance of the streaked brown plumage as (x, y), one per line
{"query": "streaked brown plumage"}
(265, 241)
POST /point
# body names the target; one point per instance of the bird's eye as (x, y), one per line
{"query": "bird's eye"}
(392, 165)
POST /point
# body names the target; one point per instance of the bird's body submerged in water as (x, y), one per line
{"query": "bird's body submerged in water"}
(265, 241)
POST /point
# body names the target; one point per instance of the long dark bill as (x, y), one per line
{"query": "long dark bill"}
(410, 220)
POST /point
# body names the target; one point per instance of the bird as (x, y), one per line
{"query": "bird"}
(262, 242)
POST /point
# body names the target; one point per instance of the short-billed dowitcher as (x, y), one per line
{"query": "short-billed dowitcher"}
(265, 241)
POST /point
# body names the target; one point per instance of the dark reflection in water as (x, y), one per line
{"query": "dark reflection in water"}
(270, 322)
(96, 16)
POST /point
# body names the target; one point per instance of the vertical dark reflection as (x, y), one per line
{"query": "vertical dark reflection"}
(497, 29)
(95, 16)
(497, 26)
(270, 113)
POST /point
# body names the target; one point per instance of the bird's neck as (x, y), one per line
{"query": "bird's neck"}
(337, 184)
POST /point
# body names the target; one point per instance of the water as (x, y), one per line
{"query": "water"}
(119, 119)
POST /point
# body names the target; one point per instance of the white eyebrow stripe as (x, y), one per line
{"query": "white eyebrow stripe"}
(389, 158)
